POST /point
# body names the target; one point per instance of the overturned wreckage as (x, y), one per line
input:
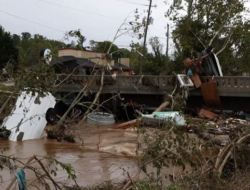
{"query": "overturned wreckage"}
(29, 116)
(206, 64)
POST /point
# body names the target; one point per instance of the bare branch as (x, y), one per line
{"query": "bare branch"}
(218, 31)
(80, 95)
(117, 32)
(14, 179)
(197, 38)
(225, 44)
(56, 85)
(47, 173)
(96, 97)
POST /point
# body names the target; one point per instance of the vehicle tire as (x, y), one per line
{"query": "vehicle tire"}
(51, 116)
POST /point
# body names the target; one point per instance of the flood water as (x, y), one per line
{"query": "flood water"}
(100, 154)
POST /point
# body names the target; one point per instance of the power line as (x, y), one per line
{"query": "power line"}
(80, 10)
(122, 45)
(32, 21)
(130, 2)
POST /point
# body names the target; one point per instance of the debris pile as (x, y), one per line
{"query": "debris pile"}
(205, 64)
(215, 127)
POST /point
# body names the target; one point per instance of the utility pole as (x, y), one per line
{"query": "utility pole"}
(145, 36)
(167, 35)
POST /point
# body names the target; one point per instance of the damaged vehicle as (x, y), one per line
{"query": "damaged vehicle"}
(28, 118)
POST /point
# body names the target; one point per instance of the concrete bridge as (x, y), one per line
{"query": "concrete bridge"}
(234, 91)
(124, 84)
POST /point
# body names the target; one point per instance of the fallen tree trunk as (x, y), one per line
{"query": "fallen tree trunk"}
(128, 124)
(162, 106)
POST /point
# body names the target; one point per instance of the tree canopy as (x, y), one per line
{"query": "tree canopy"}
(8, 49)
(29, 47)
(202, 23)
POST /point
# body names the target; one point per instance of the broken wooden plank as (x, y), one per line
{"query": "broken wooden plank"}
(128, 124)
(210, 94)
(196, 80)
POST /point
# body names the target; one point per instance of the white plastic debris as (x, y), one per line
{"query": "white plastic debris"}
(174, 116)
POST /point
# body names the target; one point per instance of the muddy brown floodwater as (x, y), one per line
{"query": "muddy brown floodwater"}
(100, 154)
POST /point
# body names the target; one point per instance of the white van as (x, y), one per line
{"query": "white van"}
(30, 115)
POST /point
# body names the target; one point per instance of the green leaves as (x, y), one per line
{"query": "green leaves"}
(168, 146)
(40, 78)
(206, 22)
(29, 48)
(78, 35)
(8, 50)
(67, 167)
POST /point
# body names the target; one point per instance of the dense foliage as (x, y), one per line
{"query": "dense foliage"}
(8, 48)
(220, 23)
(29, 48)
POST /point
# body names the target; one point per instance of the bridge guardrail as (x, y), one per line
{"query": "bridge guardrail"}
(238, 86)
(151, 84)
(124, 84)
(230, 81)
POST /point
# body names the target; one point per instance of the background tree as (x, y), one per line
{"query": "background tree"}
(240, 59)
(8, 50)
(159, 58)
(154, 62)
(204, 22)
(79, 38)
(103, 47)
(29, 48)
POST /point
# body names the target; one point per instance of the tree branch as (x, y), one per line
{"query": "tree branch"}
(225, 44)
(218, 31)
(96, 97)
(47, 173)
(197, 38)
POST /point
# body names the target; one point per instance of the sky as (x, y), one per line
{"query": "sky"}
(98, 20)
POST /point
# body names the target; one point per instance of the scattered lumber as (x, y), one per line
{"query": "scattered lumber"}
(128, 124)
